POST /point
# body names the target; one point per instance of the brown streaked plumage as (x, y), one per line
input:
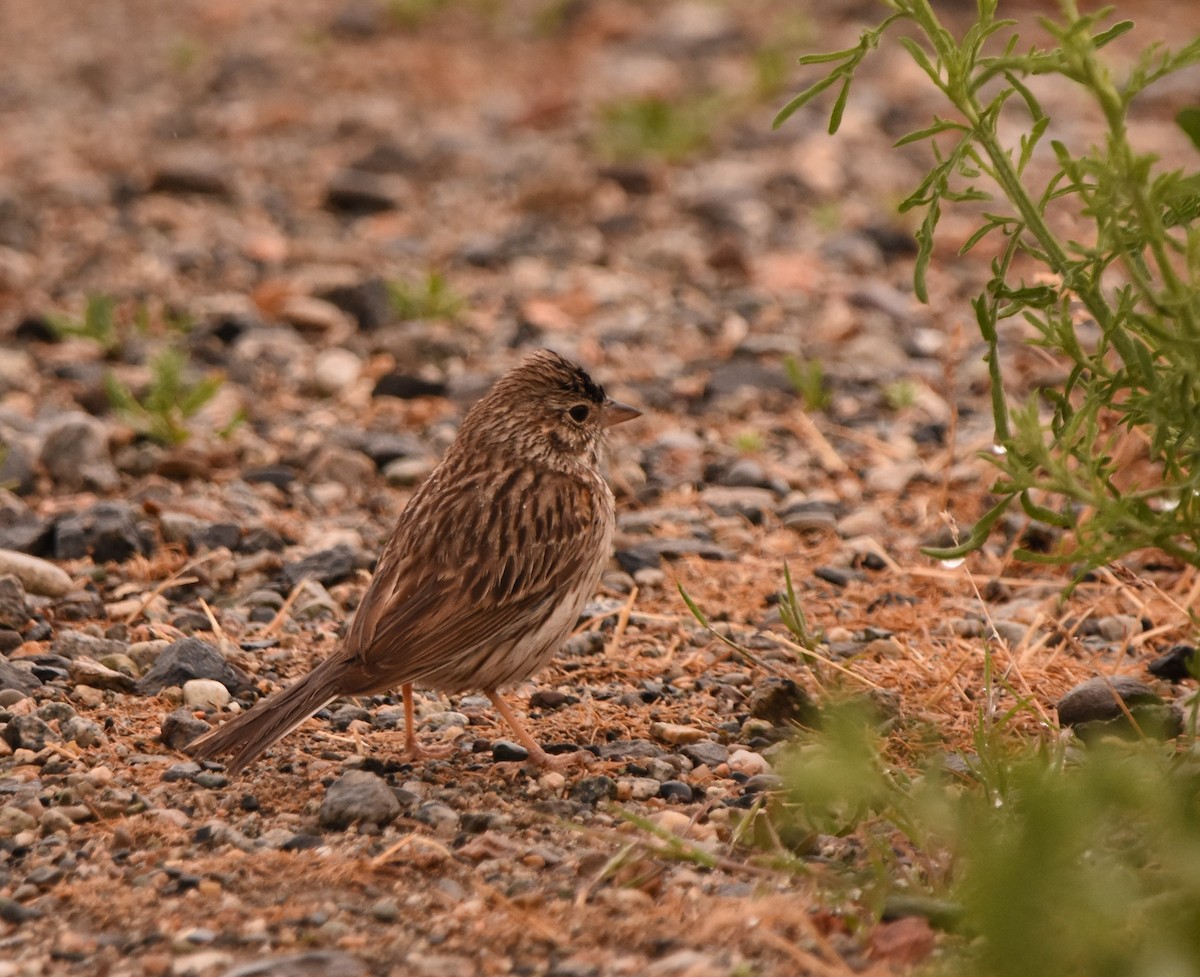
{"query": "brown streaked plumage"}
(487, 569)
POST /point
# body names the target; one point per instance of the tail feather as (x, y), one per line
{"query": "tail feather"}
(247, 736)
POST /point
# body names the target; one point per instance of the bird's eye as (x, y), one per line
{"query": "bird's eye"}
(579, 413)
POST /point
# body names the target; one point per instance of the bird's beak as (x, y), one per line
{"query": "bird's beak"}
(614, 412)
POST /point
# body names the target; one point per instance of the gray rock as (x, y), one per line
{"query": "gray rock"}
(441, 817)
(16, 468)
(16, 678)
(369, 302)
(14, 611)
(77, 644)
(180, 727)
(190, 170)
(191, 658)
(357, 192)
(592, 790)
(82, 731)
(1094, 709)
(705, 752)
(180, 771)
(782, 703)
(112, 533)
(358, 796)
(28, 733)
(75, 454)
(325, 566)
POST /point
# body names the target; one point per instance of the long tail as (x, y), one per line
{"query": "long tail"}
(251, 733)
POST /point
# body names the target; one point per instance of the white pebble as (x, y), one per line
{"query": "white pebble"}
(205, 693)
(336, 370)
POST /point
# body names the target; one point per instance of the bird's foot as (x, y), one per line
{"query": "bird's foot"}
(560, 761)
(413, 750)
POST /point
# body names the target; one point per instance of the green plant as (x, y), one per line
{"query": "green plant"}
(900, 394)
(1056, 866)
(169, 402)
(748, 442)
(656, 128)
(99, 323)
(1133, 279)
(428, 298)
(808, 379)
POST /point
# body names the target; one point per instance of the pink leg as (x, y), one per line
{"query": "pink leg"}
(414, 749)
(537, 755)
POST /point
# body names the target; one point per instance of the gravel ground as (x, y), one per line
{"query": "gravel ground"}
(356, 216)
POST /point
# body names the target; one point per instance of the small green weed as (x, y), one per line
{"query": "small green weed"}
(900, 394)
(808, 379)
(657, 128)
(748, 442)
(98, 324)
(163, 410)
(429, 298)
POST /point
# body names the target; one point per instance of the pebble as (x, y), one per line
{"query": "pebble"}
(358, 796)
(591, 790)
(180, 727)
(1118, 627)
(677, 734)
(637, 788)
(705, 753)
(14, 608)
(748, 763)
(83, 732)
(335, 370)
(1176, 665)
(782, 703)
(675, 791)
(441, 817)
(205, 693)
(506, 751)
(28, 733)
(75, 454)
(36, 575)
(14, 678)
(681, 824)
(85, 671)
(1092, 709)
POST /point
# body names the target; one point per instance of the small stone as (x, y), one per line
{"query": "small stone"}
(13, 821)
(76, 455)
(405, 386)
(677, 734)
(637, 788)
(205, 693)
(14, 678)
(441, 817)
(180, 771)
(550, 699)
(326, 567)
(506, 751)
(705, 753)
(36, 575)
(335, 371)
(180, 727)
(85, 671)
(357, 192)
(80, 645)
(187, 659)
(81, 731)
(748, 763)
(28, 733)
(1180, 663)
(385, 910)
(358, 796)
(592, 790)
(1118, 627)
(14, 610)
(192, 170)
(1094, 709)
(762, 782)
(369, 302)
(675, 791)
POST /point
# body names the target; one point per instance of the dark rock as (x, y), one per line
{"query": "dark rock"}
(1093, 709)
(192, 171)
(1180, 663)
(78, 605)
(75, 454)
(70, 538)
(25, 532)
(10, 641)
(192, 658)
(16, 468)
(325, 566)
(112, 534)
(261, 538)
(761, 782)
(809, 517)
(441, 817)
(734, 376)
(28, 733)
(191, 621)
(211, 780)
(638, 558)
(630, 177)
(357, 20)
(674, 548)
(343, 716)
(278, 475)
(35, 328)
(180, 727)
(180, 771)
(592, 790)
(358, 797)
(368, 302)
(358, 193)
(838, 576)
(15, 913)
(705, 753)
(214, 536)
(14, 610)
(383, 447)
(550, 699)
(506, 751)
(407, 387)
(781, 702)
(15, 677)
(675, 791)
